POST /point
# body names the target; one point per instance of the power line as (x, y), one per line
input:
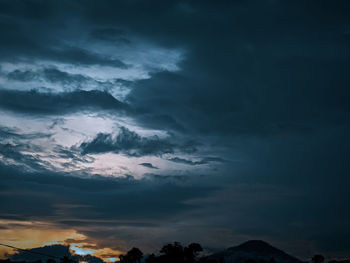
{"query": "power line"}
(30, 252)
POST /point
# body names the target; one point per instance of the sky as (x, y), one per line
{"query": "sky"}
(136, 123)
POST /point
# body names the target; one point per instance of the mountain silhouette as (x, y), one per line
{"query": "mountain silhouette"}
(58, 251)
(253, 250)
(54, 250)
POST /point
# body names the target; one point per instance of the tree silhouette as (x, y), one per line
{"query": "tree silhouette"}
(176, 253)
(151, 258)
(67, 259)
(318, 258)
(135, 255)
(173, 252)
(191, 251)
(207, 260)
(123, 259)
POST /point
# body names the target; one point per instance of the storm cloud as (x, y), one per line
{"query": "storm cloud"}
(205, 160)
(149, 165)
(34, 102)
(132, 144)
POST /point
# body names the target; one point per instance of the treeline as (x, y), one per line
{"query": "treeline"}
(171, 253)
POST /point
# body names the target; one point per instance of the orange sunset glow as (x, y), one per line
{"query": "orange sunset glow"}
(32, 234)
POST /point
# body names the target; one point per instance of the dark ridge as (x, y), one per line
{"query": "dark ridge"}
(257, 246)
(253, 250)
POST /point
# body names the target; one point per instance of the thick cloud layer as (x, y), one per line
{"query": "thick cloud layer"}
(34, 102)
(132, 144)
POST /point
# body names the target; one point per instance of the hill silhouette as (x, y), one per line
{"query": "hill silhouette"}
(253, 250)
(56, 251)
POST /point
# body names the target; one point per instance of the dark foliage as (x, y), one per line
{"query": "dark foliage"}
(176, 253)
(318, 258)
(134, 255)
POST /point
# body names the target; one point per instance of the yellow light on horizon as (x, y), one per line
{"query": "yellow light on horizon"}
(27, 235)
(81, 251)
(112, 259)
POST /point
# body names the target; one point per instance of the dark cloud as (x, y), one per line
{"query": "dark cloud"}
(72, 156)
(15, 133)
(64, 80)
(75, 55)
(110, 35)
(64, 54)
(148, 165)
(126, 193)
(14, 153)
(43, 34)
(22, 75)
(56, 76)
(35, 102)
(6, 132)
(50, 74)
(205, 160)
(21, 43)
(132, 144)
(249, 78)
